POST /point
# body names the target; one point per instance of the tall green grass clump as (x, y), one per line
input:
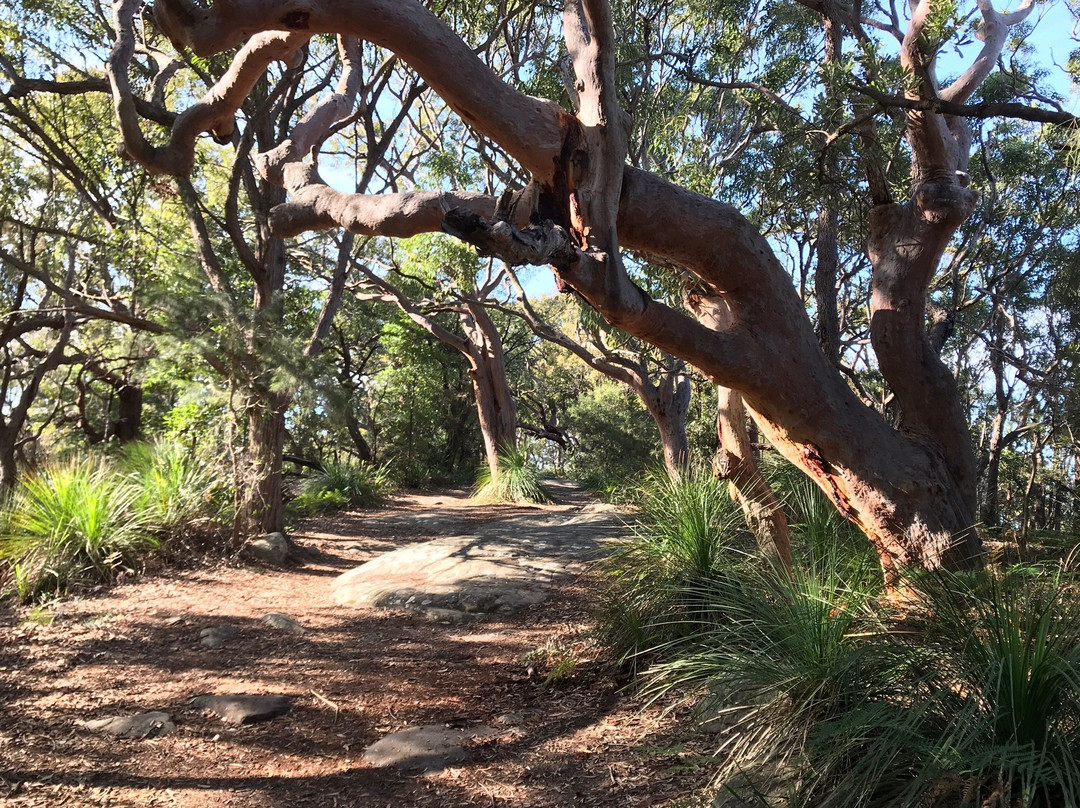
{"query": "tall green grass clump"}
(517, 480)
(969, 696)
(819, 533)
(178, 490)
(343, 485)
(827, 693)
(687, 534)
(1003, 662)
(782, 660)
(71, 520)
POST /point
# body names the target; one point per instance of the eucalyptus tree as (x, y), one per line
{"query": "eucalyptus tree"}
(911, 489)
(445, 281)
(75, 309)
(1004, 282)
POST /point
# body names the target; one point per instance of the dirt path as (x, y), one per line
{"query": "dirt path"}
(567, 735)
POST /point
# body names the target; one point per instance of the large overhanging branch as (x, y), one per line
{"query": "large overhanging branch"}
(409, 30)
(993, 33)
(214, 113)
(711, 239)
(286, 159)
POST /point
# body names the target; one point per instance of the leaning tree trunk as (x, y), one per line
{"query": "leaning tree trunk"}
(360, 444)
(911, 491)
(735, 460)
(487, 372)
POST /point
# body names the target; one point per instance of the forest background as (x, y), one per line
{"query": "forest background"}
(163, 305)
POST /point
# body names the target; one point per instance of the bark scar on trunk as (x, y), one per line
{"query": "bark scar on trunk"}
(817, 464)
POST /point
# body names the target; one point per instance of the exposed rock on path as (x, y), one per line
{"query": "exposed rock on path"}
(504, 566)
(242, 708)
(143, 725)
(428, 749)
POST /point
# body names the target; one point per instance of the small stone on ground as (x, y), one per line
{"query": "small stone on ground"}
(283, 622)
(429, 749)
(216, 636)
(272, 548)
(243, 708)
(144, 725)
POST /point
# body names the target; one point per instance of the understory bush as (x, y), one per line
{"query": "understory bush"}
(72, 520)
(963, 692)
(89, 518)
(517, 480)
(342, 485)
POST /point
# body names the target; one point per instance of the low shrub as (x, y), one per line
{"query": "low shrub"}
(517, 480)
(312, 503)
(71, 520)
(1001, 651)
(342, 485)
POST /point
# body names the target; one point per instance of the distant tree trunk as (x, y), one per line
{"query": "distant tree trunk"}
(128, 424)
(990, 506)
(363, 448)
(487, 372)
(263, 508)
(827, 268)
(669, 404)
(9, 469)
(125, 424)
(735, 460)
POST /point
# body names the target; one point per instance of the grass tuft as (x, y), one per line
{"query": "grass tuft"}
(517, 480)
(343, 485)
(176, 487)
(688, 532)
(72, 520)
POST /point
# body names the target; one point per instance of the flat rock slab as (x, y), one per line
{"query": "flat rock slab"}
(282, 622)
(143, 725)
(243, 708)
(505, 566)
(428, 749)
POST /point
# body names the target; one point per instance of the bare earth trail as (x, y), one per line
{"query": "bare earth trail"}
(537, 731)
